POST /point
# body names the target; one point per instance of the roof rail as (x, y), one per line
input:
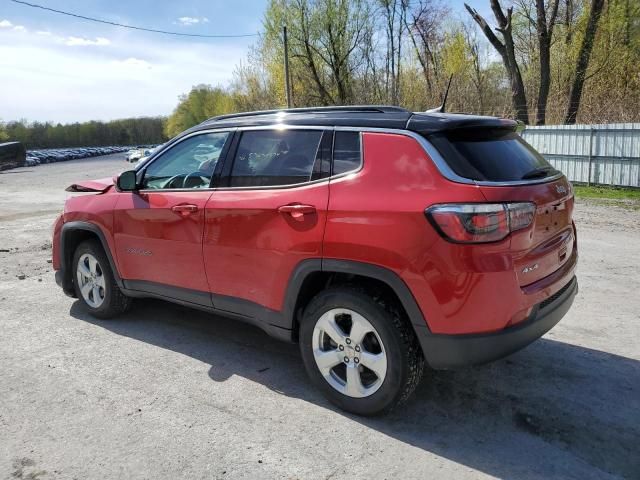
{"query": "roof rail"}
(342, 108)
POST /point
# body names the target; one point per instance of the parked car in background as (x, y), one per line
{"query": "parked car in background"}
(62, 154)
(141, 154)
(135, 155)
(148, 154)
(376, 238)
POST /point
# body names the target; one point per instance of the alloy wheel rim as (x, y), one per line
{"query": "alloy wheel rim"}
(91, 280)
(349, 353)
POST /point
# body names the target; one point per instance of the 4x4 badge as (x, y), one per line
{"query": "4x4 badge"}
(530, 269)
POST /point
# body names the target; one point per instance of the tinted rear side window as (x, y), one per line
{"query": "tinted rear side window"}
(346, 152)
(266, 158)
(490, 154)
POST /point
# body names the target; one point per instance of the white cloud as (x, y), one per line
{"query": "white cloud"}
(43, 33)
(83, 42)
(133, 62)
(43, 79)
(188, 21)
(8, 24)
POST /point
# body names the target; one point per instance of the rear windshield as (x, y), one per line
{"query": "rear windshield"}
(491, 154)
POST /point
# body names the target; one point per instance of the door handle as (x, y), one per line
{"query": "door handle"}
(297, 211)
(184, 209)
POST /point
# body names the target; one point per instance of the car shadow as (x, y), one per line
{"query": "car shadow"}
(582, 402)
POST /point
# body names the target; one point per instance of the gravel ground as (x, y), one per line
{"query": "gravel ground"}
(166, 392)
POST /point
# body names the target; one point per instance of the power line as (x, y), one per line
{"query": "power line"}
(132, 27)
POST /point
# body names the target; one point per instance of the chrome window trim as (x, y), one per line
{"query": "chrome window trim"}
(440, 163)
(443, 167)
(275, 187)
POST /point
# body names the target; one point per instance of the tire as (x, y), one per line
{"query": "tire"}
(387, 384)
(102, 297)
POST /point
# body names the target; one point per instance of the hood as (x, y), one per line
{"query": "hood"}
(100, 185)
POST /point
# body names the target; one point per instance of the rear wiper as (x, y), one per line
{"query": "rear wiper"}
(537, 173)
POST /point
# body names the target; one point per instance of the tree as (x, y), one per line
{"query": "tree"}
(130, 131)
(545, 32)
(582, 64)
(479, 75)
(324, 36)
(4, 136)
(425, 32)
(201, 103)
(394, 13)
(506, 49)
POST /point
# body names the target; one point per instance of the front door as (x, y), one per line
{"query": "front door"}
(158, 230)
(266, 216)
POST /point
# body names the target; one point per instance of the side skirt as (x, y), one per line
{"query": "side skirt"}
(239, 309)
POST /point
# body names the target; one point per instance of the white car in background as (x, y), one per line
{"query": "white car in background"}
(133, 155)
(138, 154)
(149, 152)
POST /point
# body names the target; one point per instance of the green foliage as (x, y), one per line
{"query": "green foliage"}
(325, 42)
(399, 52)
(613, 193)
(4, 136)
(456, 54)
(130, 131)
(202, 102)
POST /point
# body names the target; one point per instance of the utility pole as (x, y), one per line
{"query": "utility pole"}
(286, 67)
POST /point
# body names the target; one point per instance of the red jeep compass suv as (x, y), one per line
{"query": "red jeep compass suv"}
(375, 237)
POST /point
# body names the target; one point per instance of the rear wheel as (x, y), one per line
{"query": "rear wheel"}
(95, 283)
(359, 351)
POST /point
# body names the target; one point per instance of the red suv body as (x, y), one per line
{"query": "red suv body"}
(450, 224)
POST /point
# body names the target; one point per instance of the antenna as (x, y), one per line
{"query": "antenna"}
(440, 109)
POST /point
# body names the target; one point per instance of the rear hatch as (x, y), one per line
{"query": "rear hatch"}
(548, 244)
(507, 170)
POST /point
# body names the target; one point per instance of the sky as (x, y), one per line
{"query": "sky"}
(62, 69)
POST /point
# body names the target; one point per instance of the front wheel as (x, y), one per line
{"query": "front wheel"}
(95, 283)
(359, 351)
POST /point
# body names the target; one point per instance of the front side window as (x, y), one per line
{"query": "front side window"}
(266, 158)
(188, 164)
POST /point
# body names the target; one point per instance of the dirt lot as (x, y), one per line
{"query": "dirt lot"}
(166, 392)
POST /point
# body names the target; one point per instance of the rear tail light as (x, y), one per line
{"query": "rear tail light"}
(480, 222)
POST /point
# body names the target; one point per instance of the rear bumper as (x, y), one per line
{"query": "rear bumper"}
(454, 351)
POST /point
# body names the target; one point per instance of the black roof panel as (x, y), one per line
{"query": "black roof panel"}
(372, 116)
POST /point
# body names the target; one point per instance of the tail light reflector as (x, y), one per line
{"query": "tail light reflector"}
(480, 222)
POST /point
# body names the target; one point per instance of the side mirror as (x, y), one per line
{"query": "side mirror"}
(127, 181)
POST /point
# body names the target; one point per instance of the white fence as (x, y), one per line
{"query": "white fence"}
(592, 154)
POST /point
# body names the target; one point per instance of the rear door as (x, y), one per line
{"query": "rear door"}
(158, 229)
(267, 215)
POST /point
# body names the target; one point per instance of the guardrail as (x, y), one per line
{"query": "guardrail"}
(592, 154)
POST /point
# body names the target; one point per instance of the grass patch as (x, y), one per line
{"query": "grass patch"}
(607, 193)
